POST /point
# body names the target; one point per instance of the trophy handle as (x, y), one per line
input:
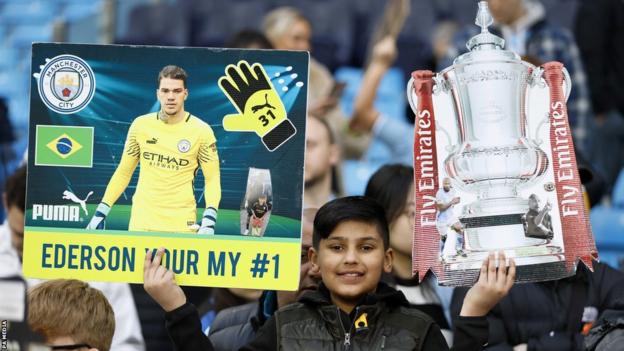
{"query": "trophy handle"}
(537, 79)
(568, 83)
(412, 99)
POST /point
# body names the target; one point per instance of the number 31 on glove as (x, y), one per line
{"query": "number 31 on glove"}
(259, 106)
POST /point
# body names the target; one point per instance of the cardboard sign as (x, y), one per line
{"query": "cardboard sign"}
(145, 162)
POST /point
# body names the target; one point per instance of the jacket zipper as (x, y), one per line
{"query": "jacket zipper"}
(347, 335)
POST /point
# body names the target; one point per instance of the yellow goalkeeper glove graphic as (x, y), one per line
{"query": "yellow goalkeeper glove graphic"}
(260, 108)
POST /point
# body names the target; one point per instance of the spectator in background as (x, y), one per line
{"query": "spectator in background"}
(322, 157)
(128, 330)
(553, 315)
(393, 187)
(442, 40)
(523, 25)
(235, 327)
(288, 29)
(600, 35)
(396, 134)
(71, 315)
(222, 298)
(7, 155)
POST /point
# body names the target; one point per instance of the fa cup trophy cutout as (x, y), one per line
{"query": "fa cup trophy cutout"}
(485, 169)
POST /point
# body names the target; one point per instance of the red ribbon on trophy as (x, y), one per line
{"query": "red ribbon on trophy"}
(578, 238)
(426, 236)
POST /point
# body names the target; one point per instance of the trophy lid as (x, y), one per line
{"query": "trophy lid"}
(485, 38)
(485, 42)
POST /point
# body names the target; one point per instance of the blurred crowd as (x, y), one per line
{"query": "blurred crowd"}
(362, 53)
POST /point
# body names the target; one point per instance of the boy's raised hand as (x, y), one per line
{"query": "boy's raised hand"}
(160, 284)
(493, 284)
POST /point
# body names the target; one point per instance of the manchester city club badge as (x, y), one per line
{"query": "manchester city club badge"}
(66, 84)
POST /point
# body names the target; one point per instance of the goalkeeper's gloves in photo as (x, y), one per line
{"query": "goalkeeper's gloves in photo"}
(97, 221)
(260, 108)
(209, 219)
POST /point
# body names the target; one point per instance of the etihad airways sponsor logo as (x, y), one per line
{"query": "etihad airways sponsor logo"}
(164, 161)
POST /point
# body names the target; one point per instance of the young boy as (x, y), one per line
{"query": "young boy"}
(71, 315)
(351, 309)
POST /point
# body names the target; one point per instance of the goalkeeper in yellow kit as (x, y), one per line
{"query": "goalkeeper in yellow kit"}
(170, 145)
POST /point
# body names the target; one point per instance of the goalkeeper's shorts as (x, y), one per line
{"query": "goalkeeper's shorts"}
(150, 218)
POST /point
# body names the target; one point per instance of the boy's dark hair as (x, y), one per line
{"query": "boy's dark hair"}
(248, 38)
(350, 208)
(390, 186)
(172, 72)
(15, 189)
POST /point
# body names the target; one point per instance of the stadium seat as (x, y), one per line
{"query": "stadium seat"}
(390, 95)
(561, 13)
(333, 28)
(617, 198)
(22, 36)
(608, 227)
(214, 22)
(74, 10)
(27, 12)
(8, 57)
(367, 14)
(157, 24)
(123, 9)
(461, 11)
(356, 175)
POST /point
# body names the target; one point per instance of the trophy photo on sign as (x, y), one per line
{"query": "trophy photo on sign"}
(490, 157)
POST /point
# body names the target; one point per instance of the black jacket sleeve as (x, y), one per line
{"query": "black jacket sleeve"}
(434, 340)
(470, 333)
(184, 329)
(266, 338)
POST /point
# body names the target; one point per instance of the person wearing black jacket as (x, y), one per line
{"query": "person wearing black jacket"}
(394, 321)
(599, 32)
(554, 315)
(236, 326)
(351, 309)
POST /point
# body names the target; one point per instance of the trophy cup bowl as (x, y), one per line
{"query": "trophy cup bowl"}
(493, 154)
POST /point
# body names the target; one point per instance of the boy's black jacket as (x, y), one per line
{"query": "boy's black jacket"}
(314, 323)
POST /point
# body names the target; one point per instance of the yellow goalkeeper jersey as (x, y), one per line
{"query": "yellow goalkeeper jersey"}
(169, 156)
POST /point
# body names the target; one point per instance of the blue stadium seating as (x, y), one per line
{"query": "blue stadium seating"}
(617, 198)
(608, 227)
(74, 10)
(28, 12)
(122, 15)
(333, 29)
(157, 24)
(213, 21)
(22, 36)
(390, 95)
(355, 175)
(561, 13)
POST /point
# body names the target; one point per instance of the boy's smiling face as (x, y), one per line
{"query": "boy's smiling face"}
(351, 261)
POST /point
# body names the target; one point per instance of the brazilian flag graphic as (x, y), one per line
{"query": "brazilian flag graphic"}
(64, 146)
